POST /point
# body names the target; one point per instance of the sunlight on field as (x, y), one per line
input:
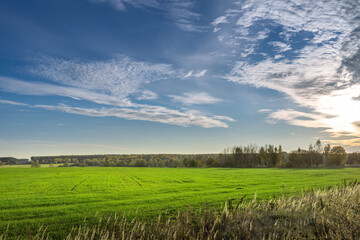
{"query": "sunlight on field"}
(62, 197)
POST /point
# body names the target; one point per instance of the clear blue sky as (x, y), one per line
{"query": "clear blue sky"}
(177, 76)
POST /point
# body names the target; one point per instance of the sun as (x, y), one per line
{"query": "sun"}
(342, 111)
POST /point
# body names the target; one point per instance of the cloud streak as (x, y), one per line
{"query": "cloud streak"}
(192, 98)
(148, 113)
(12, 103)
(197, 74)
(13, 85)
(178, 11)
(121, 108)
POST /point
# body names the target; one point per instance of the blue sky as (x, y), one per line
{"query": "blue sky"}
(179, 76)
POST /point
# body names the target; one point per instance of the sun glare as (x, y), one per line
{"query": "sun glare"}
(343, 111)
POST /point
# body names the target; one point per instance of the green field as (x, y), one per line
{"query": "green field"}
(63, 197)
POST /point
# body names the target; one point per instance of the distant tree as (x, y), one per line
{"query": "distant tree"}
(318, 146)
(311, 156)
(172, 162)
(194, 163)
(319, 158)
(273, 155)
(35, 164)
(299, 158)
(353, 158)
(186, 162)
(107, 163)
(337, 156)
(140, 163)
(121, 164)
(66, 164)
(228, 159)
(252, 156)
(262, 156)
(211, 162)
(9, 160)
(280, 157)
(238, 156)
(327, 149)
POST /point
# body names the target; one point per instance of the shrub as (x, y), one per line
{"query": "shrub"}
(35, 164)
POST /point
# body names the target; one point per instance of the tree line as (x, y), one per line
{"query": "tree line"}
(128, 160)
(317, 155)
(251, 155)
(13, 161)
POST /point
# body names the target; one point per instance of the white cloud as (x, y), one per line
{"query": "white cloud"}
(196, 74)
(123, 108)
(201, 73)
(189, 74)
(337, 113)
(121, 4)
(118, 77)
(12, 103)
(147, 95)
(219, 20)
(282, 47)
(324, 76)
(45, 89)
(302, 119)
(148, 113)
(326, 19)
(265, 110)
(216, 29)
(191, 98)
(178, 11)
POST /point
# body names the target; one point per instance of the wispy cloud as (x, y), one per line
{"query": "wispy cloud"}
(264, 110)
(282, 47)
(322, 74)
(191, 98)
(112, 83)
(198, 74)
(13, 85)
(147, 95)
(219, 20)
(180, 12)
(12, 103)
(122, 4)
(121, 108)
(302, 119)
(148, 113)
(118, 77)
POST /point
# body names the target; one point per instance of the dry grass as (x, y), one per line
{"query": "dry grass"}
(323, 214)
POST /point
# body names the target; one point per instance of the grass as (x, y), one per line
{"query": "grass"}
(61, 198)
(323, 214)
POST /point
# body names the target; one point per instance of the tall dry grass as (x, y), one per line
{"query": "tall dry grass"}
(322, 214)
